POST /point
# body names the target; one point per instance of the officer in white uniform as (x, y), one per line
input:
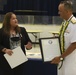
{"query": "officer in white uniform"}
(69, 55)
(69, 63)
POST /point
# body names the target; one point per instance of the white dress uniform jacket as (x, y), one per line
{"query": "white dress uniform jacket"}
(69, 64)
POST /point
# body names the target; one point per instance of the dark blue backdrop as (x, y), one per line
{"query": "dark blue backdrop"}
(51, 6)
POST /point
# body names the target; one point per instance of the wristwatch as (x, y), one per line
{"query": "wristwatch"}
(61, 59)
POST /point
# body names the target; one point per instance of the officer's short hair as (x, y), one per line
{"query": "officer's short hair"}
(67, 4)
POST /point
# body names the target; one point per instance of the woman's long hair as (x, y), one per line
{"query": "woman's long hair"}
(6, 24)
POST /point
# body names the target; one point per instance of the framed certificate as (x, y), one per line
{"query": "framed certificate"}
(50, 48)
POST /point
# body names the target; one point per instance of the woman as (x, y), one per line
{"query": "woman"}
(12, 36)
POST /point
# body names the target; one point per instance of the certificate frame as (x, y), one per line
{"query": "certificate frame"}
(50, 48)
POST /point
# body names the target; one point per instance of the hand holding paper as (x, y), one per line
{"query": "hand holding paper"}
(8, 51)
(17, 58)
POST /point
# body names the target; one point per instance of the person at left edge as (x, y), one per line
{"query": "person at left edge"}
(12, 36)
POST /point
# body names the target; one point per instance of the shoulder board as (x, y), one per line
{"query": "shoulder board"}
(73, 20)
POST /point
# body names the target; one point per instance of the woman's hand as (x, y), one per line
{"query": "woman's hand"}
(56, 60)
(28, 46)
(8, 51)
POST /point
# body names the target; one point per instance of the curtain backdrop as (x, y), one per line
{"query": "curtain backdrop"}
(49, 6)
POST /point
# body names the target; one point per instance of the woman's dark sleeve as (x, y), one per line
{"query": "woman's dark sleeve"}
(1, 38)
(25, 34)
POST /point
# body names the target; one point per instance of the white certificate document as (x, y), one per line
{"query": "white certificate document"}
(50, 48)
(18, 57)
